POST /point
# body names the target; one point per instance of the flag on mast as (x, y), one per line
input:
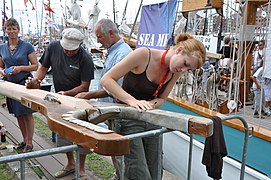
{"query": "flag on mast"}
(48, 8)
(25, 2)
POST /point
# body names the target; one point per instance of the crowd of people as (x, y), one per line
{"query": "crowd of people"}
(260, 86)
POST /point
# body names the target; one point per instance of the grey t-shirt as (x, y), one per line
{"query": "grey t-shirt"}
(68, 72)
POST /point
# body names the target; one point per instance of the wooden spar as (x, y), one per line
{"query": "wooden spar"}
(171, 120)
(250, 17)
(194, 5)
(131, 42)
(62, 112)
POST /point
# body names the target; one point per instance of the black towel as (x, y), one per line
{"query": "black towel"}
(214, 150)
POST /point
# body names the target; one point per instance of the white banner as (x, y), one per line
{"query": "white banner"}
(210, 42)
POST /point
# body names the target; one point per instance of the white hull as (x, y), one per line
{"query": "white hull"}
(176, 153)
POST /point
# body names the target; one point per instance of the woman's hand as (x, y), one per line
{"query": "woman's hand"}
(7, 72)
(16, 69)
(61, 92)
(4, 74)
(142, 105)
(82, 95)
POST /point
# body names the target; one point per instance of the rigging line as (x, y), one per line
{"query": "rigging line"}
(232, 50)
(238, 65)
(175, 19)
(233, 60)
(37, 21)
(242, 30)
(124, 12)
(97, 2)
(168, 15)
(135, 21)
(236, 11)
(41, 19)
(227, 11)
(114, 12)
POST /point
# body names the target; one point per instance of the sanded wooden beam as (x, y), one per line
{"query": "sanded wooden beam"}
(171, 120)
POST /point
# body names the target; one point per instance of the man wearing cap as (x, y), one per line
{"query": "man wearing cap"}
(72, 70)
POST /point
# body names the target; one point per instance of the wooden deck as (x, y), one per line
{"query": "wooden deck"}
(247, 114)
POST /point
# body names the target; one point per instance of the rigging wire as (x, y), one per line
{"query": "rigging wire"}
(133, 27)
(124, 12)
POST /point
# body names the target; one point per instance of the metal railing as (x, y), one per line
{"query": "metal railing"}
(46, 152)
(24, 156)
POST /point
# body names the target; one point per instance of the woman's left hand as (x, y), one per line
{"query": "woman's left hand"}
(142, 105)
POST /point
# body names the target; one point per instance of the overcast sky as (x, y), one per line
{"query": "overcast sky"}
(28, 17)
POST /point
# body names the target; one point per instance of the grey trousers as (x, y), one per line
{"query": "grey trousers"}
(142, 162)
(257, 100)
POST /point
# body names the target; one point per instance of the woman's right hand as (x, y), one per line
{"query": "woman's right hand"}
(5, 74)
(32, 83)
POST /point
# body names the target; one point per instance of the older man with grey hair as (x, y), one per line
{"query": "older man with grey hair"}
(107, 34)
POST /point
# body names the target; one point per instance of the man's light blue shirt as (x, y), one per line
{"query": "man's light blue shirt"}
(115, 54)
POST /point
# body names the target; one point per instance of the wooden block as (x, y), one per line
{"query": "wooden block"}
(214, 55)
(192, 5)
(195, 126)
(255, 1)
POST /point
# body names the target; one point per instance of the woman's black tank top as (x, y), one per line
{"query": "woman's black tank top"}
(139, 86)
